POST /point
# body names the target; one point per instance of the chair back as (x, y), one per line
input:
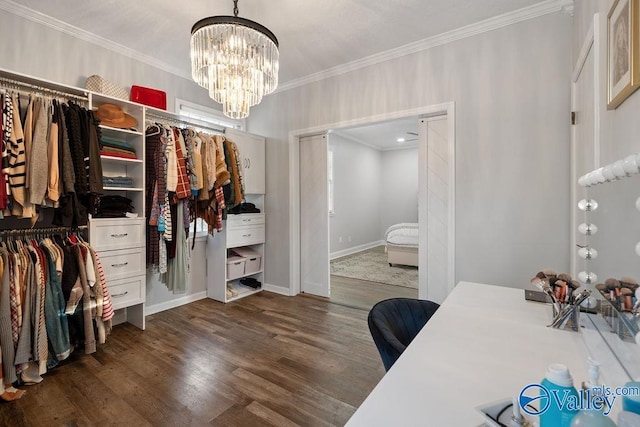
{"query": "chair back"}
(395, 322)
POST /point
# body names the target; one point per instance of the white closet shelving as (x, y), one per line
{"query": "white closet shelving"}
(243, 233)
(119, 242)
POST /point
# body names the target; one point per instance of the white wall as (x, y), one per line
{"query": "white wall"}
(512, 97)
(616, 217)
(159, 298)
(356, 171)
(399, 188)
(373, 190)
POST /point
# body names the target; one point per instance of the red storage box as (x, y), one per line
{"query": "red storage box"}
(147, 96)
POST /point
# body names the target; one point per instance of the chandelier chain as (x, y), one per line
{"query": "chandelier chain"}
(235, 8)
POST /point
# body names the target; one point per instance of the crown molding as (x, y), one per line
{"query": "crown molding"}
(537, 10)
(51, 22)
(500, 21)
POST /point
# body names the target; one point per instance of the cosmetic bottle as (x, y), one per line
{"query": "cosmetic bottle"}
(628, 419)
(558, 382)
(593, 417)
(632, 403)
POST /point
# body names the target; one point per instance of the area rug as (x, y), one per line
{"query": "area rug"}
(372, 265)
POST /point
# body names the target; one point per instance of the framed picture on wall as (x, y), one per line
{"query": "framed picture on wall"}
(623, 56)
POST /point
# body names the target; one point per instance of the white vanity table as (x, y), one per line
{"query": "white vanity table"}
(483, 345)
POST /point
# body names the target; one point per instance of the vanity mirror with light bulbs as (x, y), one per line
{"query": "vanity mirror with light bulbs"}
(609, 247)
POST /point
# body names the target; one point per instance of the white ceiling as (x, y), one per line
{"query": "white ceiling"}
(383, 135)
(314, 36)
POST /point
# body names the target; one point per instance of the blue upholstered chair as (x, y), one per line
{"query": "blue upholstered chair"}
(395, 322)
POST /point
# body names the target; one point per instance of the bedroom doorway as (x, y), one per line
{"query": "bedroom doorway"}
(434, 283)
(373, 185)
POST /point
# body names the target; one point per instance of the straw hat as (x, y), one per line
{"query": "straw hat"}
(114, 116)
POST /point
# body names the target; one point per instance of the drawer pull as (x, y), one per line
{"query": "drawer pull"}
(246, 235)
(120, 235)
(119, 295)
(122, 264)
(246, 220)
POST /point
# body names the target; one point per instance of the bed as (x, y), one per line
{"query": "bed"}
(402, 244)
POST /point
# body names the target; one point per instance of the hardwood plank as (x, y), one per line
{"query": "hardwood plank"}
(263, 360)
(363, 294)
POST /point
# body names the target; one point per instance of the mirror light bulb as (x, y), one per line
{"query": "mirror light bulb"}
(587, 205)
(587, 229)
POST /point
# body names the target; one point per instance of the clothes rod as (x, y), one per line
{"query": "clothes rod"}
(16, 84)
(171, 120)
(48, 230)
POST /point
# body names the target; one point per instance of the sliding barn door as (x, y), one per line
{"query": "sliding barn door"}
(314, 216)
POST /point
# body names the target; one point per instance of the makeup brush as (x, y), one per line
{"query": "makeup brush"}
(541, 275)
(573, 285)
(629, 282)
(549, 272)
(543, 285)
(613, 288)
(626, 298)
(566, 312)
(602, 288)
(564, 277)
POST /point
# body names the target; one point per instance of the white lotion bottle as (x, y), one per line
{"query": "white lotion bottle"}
(592, 417)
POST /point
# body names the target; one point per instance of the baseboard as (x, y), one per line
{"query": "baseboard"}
(157, 308)
(353, 250)
(281, 290)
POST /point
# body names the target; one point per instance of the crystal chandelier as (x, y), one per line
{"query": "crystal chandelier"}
(236, 60)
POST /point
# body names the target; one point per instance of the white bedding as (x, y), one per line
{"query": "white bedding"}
(402, 234)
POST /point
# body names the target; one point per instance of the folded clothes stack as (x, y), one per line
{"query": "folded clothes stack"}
(117, 181)
(114, 148)
(244, 207)
(112, 206)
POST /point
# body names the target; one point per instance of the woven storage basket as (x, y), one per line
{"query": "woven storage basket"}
(98, 84)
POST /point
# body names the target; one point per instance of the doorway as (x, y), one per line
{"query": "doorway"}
(373, 186)
(442, 254)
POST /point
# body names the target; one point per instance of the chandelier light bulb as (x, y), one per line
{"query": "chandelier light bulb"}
(236, 59)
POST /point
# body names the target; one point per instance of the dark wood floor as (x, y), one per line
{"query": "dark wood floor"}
(264, 360)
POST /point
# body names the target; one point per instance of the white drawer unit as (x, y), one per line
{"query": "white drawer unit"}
(245, 220)
(235, 258)
(123, 263)
(127, 292)
(245, 229)
(245, 236)
(120, 244)
(114, 234)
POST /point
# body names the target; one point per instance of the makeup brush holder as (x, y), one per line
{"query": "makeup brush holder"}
(621, 323)
(567, 318)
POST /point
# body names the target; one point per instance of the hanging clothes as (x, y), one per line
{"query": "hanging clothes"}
(50, 155)
(42, 318)
(186, 174)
